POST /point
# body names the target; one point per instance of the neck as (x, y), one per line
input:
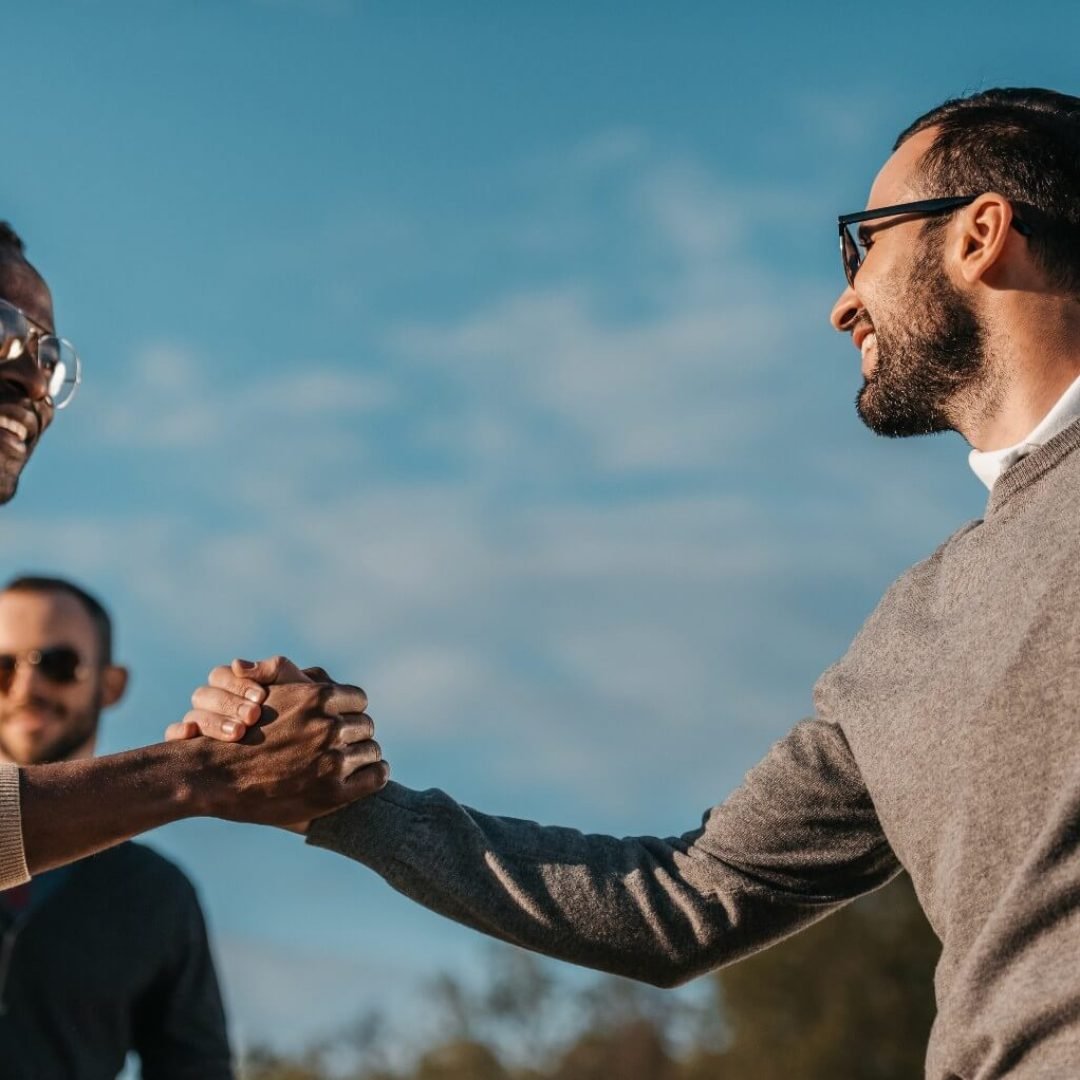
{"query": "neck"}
(1036, 359)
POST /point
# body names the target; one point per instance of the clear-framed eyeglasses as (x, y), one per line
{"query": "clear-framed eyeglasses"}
(55, 356)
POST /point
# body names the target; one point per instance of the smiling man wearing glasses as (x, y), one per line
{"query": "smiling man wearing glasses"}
(40, 372)
(947, 740)
(85, 980)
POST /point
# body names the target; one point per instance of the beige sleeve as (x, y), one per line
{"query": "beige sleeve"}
(12, 857)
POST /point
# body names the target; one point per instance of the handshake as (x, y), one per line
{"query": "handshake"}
(302, 745)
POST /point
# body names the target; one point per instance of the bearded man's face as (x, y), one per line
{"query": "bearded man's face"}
(928, 350)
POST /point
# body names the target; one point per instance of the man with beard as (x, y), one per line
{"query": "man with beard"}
(313, 752)
(108, 955)
(946, 740)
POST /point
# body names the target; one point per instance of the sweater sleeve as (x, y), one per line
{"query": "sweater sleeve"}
(796, 840)
(13, 869)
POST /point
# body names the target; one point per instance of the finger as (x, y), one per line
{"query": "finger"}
(215, 726)
(277, 669)
(182, 729)
(340, 698)
(366, 780)
(359, 756)
(318, 674)
(355, 728)
(224, 678)
(210, 699)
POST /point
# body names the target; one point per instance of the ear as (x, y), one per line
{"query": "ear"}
(114, 680)
(979, 236)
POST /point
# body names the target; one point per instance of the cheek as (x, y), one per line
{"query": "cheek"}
(45, 414)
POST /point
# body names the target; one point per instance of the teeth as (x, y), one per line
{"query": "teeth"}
(867, 341)
(14, 427)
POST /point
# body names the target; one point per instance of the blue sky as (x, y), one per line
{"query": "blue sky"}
(479, 353)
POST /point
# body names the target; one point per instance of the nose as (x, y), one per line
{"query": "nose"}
(22, 682)
(845, 310)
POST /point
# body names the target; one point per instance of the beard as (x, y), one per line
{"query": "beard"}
(75, 730)
(929, 368)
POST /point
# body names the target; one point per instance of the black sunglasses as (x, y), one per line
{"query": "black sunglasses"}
(850, 250)
(60, 664)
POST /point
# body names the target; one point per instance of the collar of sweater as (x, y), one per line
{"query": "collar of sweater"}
(1028, 469)
(988, 465)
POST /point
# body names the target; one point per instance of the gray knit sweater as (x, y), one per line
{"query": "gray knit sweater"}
(946, 741)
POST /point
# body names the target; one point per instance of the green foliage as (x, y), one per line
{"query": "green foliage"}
(851, 997)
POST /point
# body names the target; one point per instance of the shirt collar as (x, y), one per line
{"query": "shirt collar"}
(988, 465)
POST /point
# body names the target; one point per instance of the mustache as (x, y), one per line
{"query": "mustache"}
(38, 704)
(861, 320)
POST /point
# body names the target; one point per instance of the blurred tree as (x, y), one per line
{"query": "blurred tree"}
(636, 1051)
(460, 1061)
(262, 1063)
(852, 996)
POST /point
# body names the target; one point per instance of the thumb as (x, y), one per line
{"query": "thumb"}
(277, 669)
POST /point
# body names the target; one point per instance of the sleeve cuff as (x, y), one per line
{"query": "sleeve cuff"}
(13, 869)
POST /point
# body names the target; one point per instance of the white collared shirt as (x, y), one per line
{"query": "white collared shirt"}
(988, 465)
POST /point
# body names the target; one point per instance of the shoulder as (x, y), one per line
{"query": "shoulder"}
(142, 869)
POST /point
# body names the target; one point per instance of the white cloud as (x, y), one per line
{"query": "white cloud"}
(559, 550)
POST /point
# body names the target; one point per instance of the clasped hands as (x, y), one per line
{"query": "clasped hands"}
(305, 743)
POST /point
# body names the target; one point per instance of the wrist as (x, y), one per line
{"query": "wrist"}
(188, 764)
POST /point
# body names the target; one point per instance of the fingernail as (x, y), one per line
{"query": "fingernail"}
(245, 665)
(229, 727)
(253, 695)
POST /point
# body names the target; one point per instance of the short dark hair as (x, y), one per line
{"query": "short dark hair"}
(10, 241)
(1023, 144)
(94, 607)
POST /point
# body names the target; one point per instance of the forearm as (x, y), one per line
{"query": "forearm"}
(657, 910)
(73, 809)
(796, 840)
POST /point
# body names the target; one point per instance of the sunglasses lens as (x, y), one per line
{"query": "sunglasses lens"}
(59, 665)
(58, 359)
(7, 669)
(849, 252)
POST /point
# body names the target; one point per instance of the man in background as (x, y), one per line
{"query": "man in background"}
(108, 955)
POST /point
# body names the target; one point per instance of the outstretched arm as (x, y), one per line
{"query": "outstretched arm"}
(310, 752)
(799, 838)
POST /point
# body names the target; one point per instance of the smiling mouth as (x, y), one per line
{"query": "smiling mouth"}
(14, 437)
(20, 431)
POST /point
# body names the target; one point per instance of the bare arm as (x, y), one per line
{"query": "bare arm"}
(74, 808)
(310, 753)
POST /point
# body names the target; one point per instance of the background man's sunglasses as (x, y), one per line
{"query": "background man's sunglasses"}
(60, 664)
(850, 251)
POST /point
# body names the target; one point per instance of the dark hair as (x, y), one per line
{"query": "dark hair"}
(1023, 144)
(94, 608)
(10, 241)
